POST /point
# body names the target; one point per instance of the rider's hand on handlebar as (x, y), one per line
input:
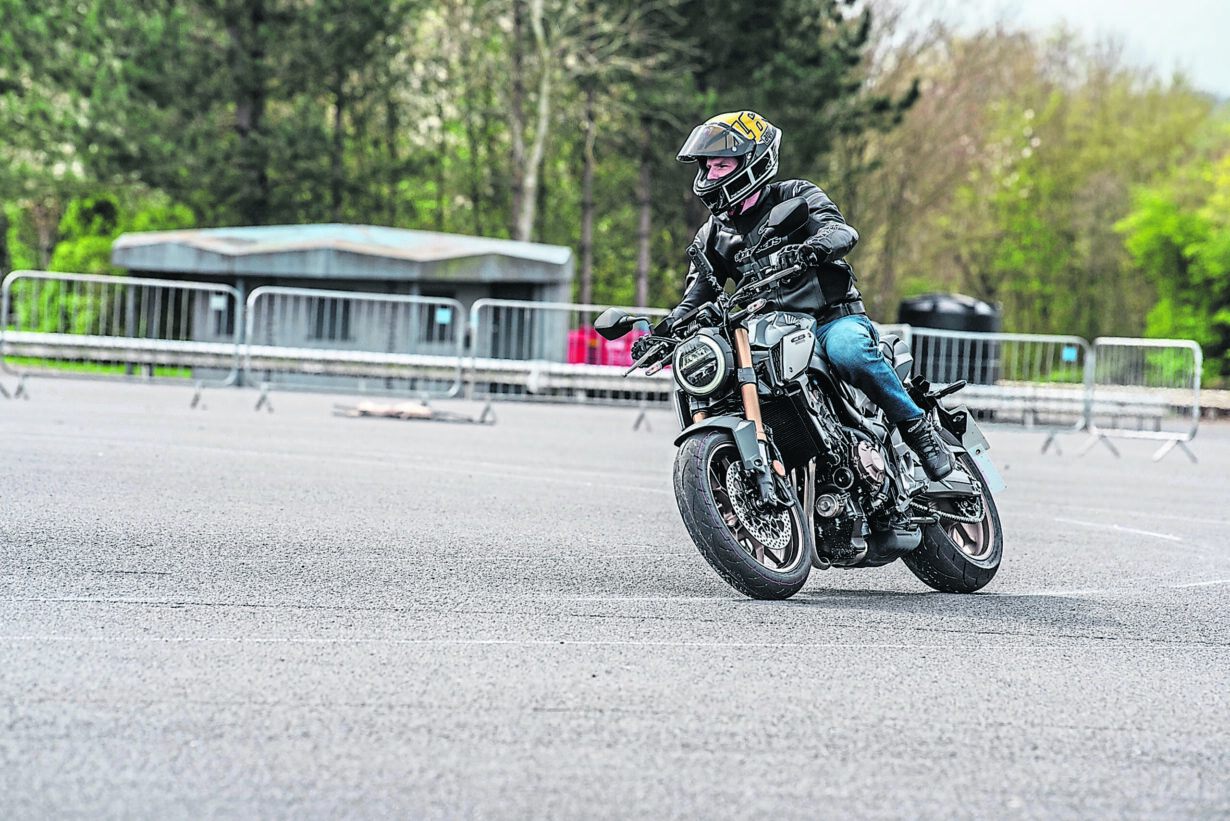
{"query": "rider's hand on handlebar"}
(801, 255)
(641, 346)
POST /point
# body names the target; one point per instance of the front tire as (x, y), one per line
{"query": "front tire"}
(956, 556)
(762, 555)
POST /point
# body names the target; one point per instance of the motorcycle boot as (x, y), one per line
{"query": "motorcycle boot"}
(922, 438)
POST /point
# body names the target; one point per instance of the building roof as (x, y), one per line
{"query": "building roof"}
(336, 251)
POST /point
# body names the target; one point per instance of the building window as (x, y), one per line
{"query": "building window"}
(438, 326)
(222, 311)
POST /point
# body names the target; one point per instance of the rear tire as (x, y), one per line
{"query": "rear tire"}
(718, 514)
(959, 557)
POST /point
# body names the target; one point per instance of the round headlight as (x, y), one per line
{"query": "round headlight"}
(702, 364)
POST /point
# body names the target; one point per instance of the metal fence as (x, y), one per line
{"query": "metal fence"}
(1146, 389)
(545, 350)
(1113, 388)
(353, 342)
(81, 325)
(1017, 379)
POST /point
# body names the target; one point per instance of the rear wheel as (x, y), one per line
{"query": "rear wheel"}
(961, 553)
(762, 554)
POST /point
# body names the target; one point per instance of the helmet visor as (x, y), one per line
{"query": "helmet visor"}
(713, 140)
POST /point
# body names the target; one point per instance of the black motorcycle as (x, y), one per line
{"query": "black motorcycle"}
(783, 467)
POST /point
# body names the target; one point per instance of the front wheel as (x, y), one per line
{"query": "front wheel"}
(962, 552)
(762, 554)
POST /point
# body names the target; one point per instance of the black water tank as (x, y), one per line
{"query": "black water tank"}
(945, 359)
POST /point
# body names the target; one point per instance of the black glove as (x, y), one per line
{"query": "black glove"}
(641, 346)
(803, 255)
(665, 327)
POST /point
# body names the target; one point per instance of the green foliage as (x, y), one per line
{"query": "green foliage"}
(396, 112)
(29, 364)
(91, 224)
(86, 233)
(1032, 224)
(97, 216)
(86, 255)
(995, 163)
(20, 239)
(1179, 234)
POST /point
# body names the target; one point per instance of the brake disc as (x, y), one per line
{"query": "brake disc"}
(769, 527)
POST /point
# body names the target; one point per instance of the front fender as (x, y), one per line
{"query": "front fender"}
(742, 431)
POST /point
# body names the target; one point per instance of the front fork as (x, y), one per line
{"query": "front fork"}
(763, 467)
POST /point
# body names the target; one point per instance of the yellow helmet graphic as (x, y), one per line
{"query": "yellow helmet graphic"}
(743, 135)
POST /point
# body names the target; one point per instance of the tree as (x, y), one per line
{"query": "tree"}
(42, 103)
(1007, 176)
(1179, 233)
(618, 47)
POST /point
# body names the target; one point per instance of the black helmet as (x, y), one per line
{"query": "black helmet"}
(744, 135)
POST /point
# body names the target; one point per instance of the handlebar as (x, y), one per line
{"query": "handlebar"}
(663, 344)
(759, 285)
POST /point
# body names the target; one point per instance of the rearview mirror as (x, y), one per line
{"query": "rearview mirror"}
(614, 323)
(786, 218)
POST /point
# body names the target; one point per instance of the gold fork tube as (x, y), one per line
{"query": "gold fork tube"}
(751, 400)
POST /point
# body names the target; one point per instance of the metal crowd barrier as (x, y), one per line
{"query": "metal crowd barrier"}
(1146, 389)
(1114, 388)
(105, 327)
(1014, 379)
(353, 342)
(903, 332)
(524, 350)
(79, 325)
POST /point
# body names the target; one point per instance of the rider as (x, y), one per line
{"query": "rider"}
(737, 155)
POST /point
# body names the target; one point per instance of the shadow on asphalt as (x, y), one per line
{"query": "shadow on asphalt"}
(1025, 610)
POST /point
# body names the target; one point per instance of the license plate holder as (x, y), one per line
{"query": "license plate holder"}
(976, 444)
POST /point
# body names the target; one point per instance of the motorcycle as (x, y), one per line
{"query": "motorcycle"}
(782, 467)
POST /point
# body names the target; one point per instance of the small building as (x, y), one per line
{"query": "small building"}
(352, 258)
(357, 258)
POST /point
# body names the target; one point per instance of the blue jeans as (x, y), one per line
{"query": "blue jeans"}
(852, 347)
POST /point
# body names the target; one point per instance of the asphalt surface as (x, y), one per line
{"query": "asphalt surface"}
(236, 614)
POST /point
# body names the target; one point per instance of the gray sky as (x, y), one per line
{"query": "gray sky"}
(1192, 35)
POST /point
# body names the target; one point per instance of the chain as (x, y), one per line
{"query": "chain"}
(971, 519)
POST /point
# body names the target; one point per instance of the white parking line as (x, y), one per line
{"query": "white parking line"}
(741, 645)
(1031, 594)
(1157, 514)
(1121, 529)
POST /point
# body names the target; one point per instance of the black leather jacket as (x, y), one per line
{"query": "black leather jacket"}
(825, 291)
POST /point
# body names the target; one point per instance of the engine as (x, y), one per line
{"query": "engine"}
(871, 467)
